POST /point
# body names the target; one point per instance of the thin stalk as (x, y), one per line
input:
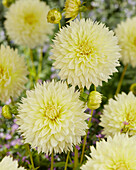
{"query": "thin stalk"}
(83, 149)
(80, 15)
(66, 164)
(52, 160)
(12, 101)
(40, 63)
(59, 25)
(76, 158)
(32, 60)
(31, 158)
(121, 80)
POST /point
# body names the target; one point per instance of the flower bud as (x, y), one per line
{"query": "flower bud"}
(133, 88)
(7, 3)
(54, 16)
(72, 8)
(94, 100)
(6, 112)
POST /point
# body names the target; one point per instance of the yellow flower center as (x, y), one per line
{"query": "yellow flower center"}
(4, 76)
(51, 112)
(30, 19)
(1, 72)
(120, 166)
(84, 49)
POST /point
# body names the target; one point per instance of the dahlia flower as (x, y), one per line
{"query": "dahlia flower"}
(26, 23)
(13, 73)
(86, 53)
(117, 153)
(127, 40)
(7, 163)
(52, 117)
(120, 115)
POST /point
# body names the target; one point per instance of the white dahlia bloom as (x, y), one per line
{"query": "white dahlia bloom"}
(126, 34)
(7, 163)
(26, 23)
(52, 117)
(117, 153)
(120, 115)
(86, 53)
(13, 73)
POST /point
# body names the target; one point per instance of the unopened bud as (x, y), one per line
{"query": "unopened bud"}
(7, 3)
(54, 16)
(72, 8)
(94, 100)
(133, 88)
(6, 112)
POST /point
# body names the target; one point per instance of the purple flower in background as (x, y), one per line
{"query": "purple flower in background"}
(27, 162)
(24, 158)
(8, 102)
(40, 81)
(99, 136)
(126, 123)
(14, 128)
(16, 142)
(7, 146)
(1, 135)
(8, 136)
(77, 147)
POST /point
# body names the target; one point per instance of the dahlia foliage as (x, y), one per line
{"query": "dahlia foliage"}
(63, 88)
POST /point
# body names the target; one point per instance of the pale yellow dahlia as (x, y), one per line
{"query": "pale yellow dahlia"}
(13, 73)
(86, 52)
(52, 117)
(26, 23)
(120, 115)
(7, 163)
(72, 8)
(117, 153)
(126, 33)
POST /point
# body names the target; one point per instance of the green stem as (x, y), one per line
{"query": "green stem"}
(12, 101)
(59, 25)
(83, 149)
(40, 63)
(32, 60)
(76, 158)
(66, 164)
(31, 158)
(52, 160)
(121, 80)
(80, 15)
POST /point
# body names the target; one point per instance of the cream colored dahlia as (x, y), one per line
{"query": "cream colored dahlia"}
(26, 23)
(118, 153)
(86, 53)
(127, 40)
(13, 73)
(120, 115)
(52, 117)
(7, 163)
(72, 8)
